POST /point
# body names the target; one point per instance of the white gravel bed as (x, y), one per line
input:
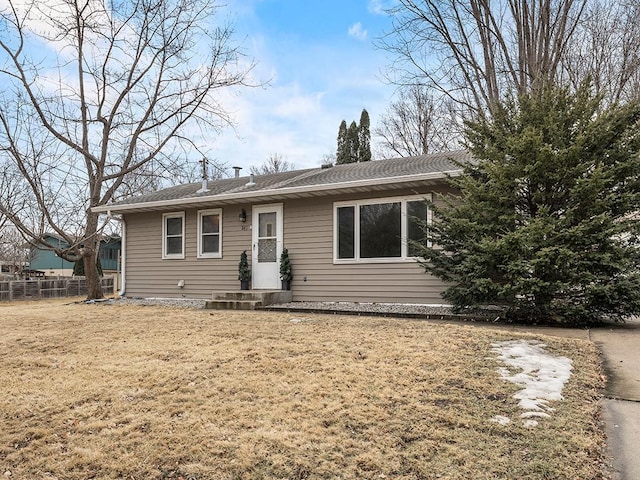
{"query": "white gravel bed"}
(169, 302)
(373, 308)
(390, 309)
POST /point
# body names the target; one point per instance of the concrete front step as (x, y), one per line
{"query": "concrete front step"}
(247, 299)
(232, 304)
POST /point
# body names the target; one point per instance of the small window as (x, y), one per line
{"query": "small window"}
(108, 254)
(417, 222)
(346, 229)
(210, 233)
(173, 235)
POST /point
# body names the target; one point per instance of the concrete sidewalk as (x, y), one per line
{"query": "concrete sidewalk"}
(620, 347)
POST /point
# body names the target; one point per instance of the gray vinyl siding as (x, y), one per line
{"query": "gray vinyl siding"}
(308, 235)
(308, 232)
(148, 275)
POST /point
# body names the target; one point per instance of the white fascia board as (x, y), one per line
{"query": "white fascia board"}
(281, 192)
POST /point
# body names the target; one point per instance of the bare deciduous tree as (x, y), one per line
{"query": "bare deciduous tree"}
(274, 164)
(416, 124)
(97, 90)
(606, 49)
(328, 159)
(477, 51)
(14, 253)
(14, 195)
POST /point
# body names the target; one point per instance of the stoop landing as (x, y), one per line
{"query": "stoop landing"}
(247, 299)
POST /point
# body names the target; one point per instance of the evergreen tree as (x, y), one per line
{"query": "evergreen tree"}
(364, 137)
(342, 153)
(546, 224)
(352, 142)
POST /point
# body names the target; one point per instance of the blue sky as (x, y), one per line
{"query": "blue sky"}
(321, 66)
(317, 64)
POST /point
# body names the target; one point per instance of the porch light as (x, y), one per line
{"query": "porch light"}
(243, 215)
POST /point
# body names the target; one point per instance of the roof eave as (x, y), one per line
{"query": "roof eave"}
(282, 193)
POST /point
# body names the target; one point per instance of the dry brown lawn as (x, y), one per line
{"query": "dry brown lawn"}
(131, 392)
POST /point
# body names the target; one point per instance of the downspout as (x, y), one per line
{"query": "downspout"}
(123, 249)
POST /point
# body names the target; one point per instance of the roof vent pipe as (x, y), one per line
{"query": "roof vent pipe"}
(251, 181)
(237, 169)
(205, 178)
(205, 186)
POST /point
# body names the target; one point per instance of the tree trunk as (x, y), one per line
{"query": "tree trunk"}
(101, 133)
(90, 251)
(94, 288)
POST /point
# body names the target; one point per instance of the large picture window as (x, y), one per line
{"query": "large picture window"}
(173, 235)
(380, 229)
(210, 233)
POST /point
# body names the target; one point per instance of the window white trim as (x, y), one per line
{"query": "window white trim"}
(356, 204)
(201, 213)
(172, 256)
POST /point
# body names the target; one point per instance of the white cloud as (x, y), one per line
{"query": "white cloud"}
(380, 7)
(294, 104)
(312, 86)
(282, 118)
(356, 31)
(311, 89)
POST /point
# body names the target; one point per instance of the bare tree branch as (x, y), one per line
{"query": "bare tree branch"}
(471, 55)
(606, 49)
(130, 84)
(416, 124)
(276, 163)
(477, 52)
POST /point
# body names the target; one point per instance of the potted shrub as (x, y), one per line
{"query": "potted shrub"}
(285, 270)
(244, 272)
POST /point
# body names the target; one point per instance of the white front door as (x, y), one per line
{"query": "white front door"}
(267, 246)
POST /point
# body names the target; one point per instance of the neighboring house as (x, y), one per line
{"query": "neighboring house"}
(43, 260)
(47, 261)
(345, 227)
(109, 254)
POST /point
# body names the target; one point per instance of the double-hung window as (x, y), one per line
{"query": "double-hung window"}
(210, 233)
(380, 230)
(173, 235)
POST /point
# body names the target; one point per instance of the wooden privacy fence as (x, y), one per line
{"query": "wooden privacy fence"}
(62, 287)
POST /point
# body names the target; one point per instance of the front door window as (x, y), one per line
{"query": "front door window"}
(267, 237)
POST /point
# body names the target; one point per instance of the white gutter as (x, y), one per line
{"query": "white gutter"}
(123, 249)
(255, 194)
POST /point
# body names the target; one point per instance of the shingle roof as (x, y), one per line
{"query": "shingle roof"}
(301, 182)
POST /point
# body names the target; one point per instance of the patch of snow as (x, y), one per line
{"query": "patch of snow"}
(535, 414)
(501, 419)
(299, 320)
(541, 375)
